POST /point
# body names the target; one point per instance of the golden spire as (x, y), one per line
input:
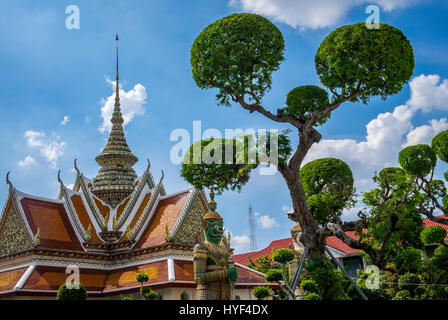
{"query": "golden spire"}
(115, 180)
(117, 92)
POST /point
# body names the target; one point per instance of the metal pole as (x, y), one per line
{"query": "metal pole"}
(299, 270)
(364, 297)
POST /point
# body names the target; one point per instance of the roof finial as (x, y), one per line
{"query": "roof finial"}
(9, 181)
(117, 94)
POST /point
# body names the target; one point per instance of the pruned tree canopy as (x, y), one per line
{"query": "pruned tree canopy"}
(302, 101)
(328, 185)
(417, 160)
(377, 62)
(206, 165)
(237, 53)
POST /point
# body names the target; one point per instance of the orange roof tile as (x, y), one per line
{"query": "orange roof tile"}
(103, 210)
(140, 210)
(8, 279)
(125, 278)
(51, 219)
(121, 207)
(51, 278)
(166, 213)
(84, 217)
(183, 270)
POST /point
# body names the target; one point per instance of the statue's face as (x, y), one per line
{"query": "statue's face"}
(214, 231)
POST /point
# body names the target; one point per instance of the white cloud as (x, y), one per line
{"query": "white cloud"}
(389, 132)
(131, 104)
(70, 186)
(65, 121)
(28, 161)
(50, 148)
(311, 14)
(266, 222)
(240, 243)
(425, 133)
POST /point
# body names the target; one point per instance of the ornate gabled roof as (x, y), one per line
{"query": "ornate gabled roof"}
(115, 180)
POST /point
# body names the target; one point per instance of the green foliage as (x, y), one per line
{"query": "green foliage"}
(417, 160)
(433, 234)
(274, 275)
(66, 294)
(283, 256)
(205, 164)
(409, 260)
(440, 145)
(393, 221)
(331, 283)
(402, 295)
(261, 292)
(148, 293)
(412, 283)
(142, 277)
(309, 286)
(303, 100)
(237, 54)
(262, 264)
(328, 185)
(127, 298)
(312, 296)
(376, 61)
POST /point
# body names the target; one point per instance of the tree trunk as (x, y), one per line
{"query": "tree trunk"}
(311, 236)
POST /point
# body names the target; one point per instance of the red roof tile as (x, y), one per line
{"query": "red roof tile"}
(243, 258)
(9, 279)
(167, 212)
(51, 219)
(428, 223)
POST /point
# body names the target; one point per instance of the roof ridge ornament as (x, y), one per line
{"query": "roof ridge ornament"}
(60, 180)
(76, 167)
(9, 181)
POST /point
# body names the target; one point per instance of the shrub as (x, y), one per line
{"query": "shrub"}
(433, 234)
(283, 255)
(309, 286)
(274, 275)
(142, 277)
(261, 292)
(312, 296)
(127, 298)
(409, 260)
(66, 294)
(148, 293)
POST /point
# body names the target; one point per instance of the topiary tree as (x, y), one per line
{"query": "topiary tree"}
(261, 292)
(76, 292)
(390, 221)
(328, 186)
(420, 161)
(146, 292)
(433, 234)
(238, 54)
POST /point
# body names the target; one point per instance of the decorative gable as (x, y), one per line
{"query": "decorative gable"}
(13, 235)
(191, 226)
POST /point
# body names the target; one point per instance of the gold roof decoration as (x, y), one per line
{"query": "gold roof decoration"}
(115, 180)
(211, 214)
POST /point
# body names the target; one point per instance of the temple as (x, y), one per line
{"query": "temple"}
(109, 228)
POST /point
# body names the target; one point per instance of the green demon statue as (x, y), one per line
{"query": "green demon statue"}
(214, 268)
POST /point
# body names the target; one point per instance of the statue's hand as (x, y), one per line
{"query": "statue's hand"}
(231, 274)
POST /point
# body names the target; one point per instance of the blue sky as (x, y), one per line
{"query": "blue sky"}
(49, 72)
